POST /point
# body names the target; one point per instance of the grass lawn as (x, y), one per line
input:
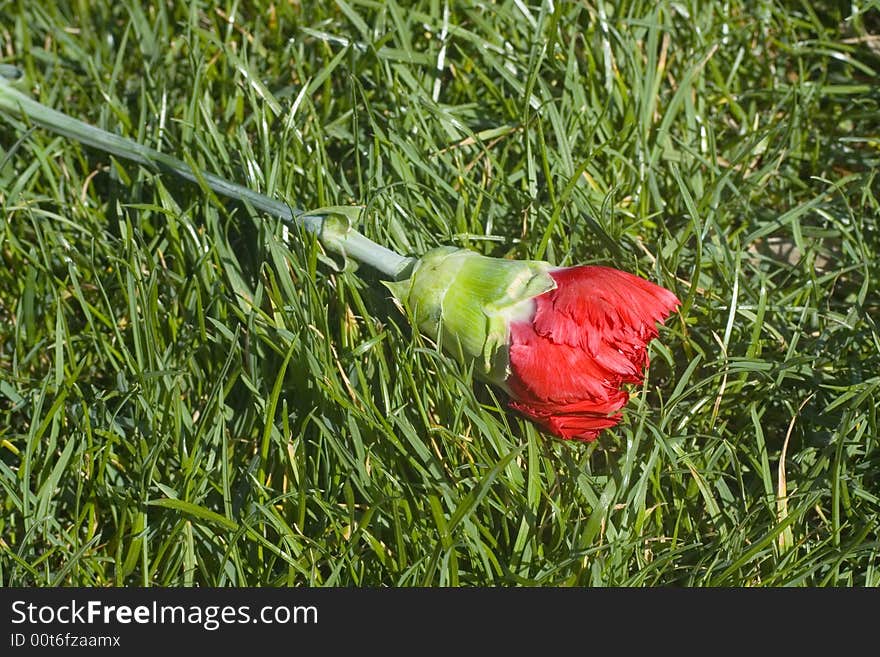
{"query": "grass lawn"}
(191, 394)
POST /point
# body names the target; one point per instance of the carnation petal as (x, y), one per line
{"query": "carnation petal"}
(584, 424)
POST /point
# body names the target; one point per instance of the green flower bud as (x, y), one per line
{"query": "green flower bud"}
(466, 302)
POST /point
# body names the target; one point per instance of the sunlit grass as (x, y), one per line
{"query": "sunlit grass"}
(188, 396)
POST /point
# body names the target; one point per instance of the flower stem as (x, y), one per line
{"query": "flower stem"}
(347, 242)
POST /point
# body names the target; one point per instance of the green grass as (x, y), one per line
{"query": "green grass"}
(188, 398)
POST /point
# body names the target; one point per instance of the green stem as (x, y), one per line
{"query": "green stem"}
(346, 242)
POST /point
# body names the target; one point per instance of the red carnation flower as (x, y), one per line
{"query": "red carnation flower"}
(562, 342)
(588, 337)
